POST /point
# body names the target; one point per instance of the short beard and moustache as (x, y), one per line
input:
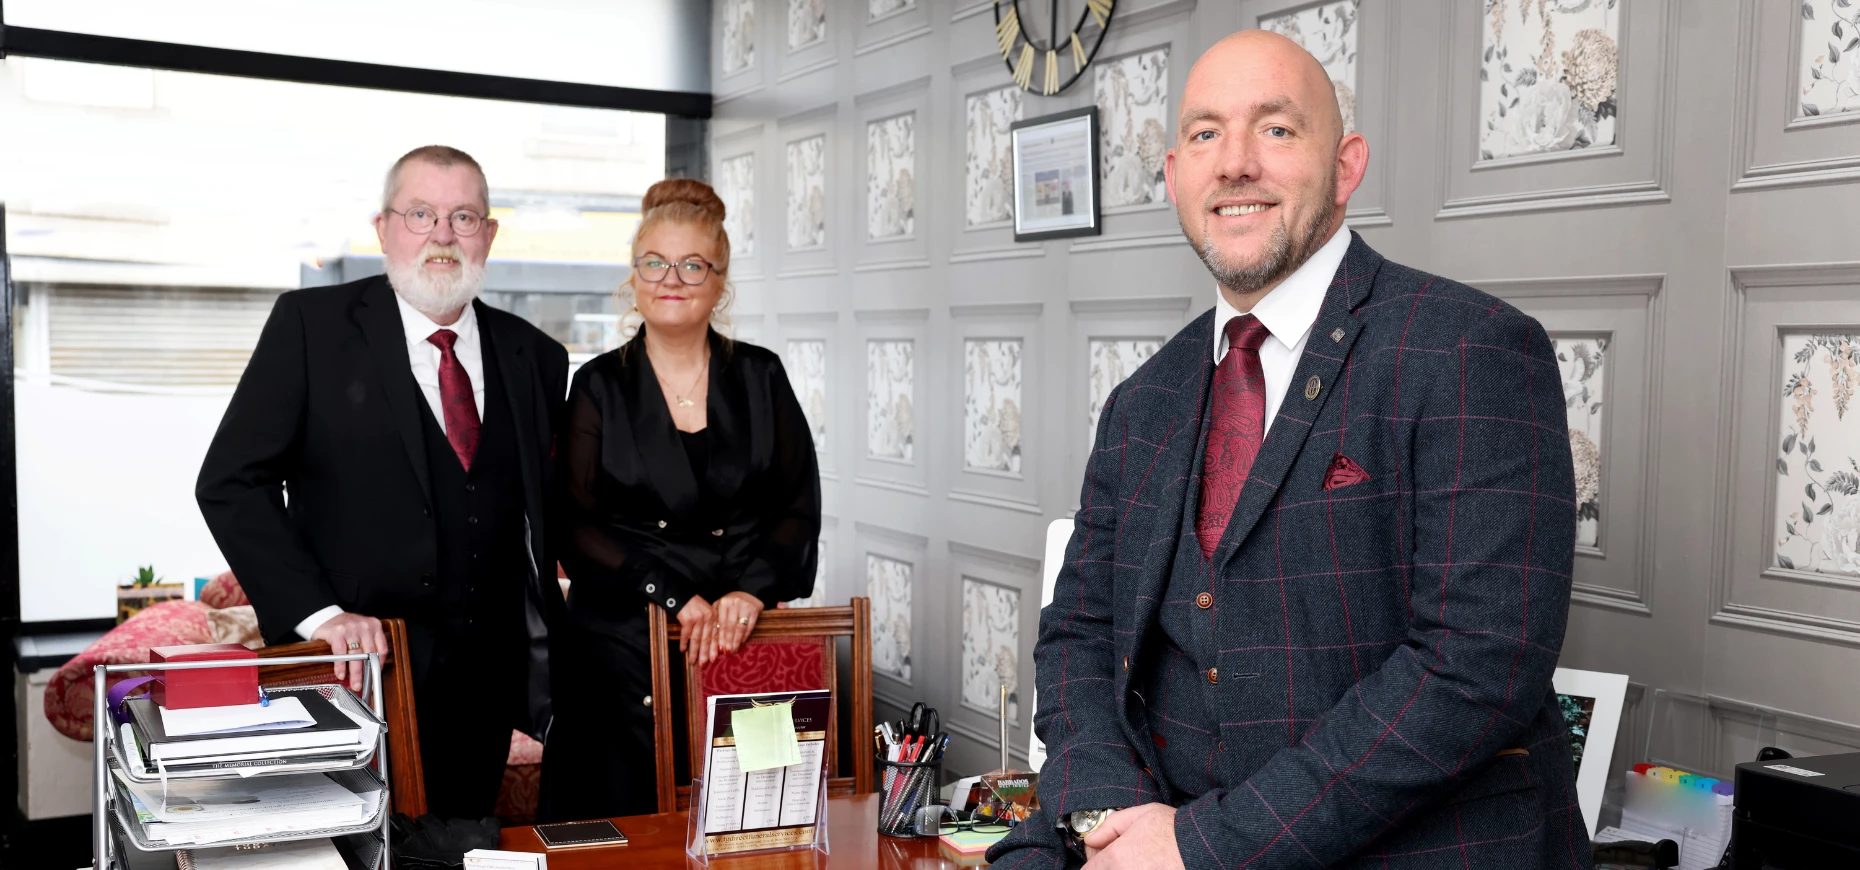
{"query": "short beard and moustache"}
(437, 294)
(1281, 257)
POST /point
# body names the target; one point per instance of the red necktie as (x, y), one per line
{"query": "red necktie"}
(456, 398)
(1235, 429)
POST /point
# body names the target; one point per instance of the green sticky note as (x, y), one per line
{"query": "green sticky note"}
(765, 737)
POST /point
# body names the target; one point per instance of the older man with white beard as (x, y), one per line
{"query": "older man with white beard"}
(411, 425)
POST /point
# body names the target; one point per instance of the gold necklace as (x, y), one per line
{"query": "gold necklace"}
(682, 401)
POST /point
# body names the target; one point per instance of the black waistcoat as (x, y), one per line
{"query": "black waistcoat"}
(478, 515)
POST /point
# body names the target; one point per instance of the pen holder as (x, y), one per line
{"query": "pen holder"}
(904, 786)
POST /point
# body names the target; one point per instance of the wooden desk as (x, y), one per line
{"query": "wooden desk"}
(658, 841)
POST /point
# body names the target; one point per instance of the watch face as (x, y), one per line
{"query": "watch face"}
(1085, 820)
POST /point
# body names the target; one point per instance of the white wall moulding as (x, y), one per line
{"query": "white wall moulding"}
(1616, 444)
(800, 71)
(892, 315)
(984, 255)
(1775, 142)
(993, 600)
(733, 96)
(892, 265)
(1789, 485)
(886, 23)
(1543, 165)
(1128, 241)
(890, 173)
(800, 274)
(891, 566)
(891, 41)
(891, 178)
(971, 10)
(998, 432)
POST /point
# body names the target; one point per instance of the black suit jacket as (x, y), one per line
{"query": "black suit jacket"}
(328, 410)
(639, 526)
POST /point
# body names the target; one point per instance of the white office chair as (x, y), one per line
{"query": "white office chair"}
(1058, 534)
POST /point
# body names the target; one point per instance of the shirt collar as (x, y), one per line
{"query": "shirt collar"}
(419, 327)
(1289, 310)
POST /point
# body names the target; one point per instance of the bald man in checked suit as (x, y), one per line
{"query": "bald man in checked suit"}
(1320, 573)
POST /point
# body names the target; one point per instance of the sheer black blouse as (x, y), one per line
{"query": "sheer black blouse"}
(644, 520)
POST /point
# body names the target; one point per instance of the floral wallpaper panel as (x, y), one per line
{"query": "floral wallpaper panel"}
(739, 35)
(990, 647)
(890, 190)
(889, 421)
(1581, 359)
(1548, 76)
(1133, 105)
(991, 415)
(1818, 469)
(1112, 360)
(888, 584)
(876, 9)
(1829, 76)
(806, 361)
(1329, 33)
(988, 191)
(807, 192)
(736, 186)
(807, 23)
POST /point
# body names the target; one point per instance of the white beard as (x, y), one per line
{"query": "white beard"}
(436, 294)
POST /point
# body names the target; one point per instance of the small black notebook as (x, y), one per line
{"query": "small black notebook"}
(332, 728)
(565, 835)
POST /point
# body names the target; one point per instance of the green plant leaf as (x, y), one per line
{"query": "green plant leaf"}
(1789, 443)
(1784, 562)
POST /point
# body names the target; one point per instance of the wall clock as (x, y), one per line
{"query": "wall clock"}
(1022, 51)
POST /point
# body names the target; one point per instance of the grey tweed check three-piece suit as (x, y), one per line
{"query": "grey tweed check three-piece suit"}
(1366, 680)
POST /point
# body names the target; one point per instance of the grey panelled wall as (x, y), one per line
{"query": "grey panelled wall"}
(1672, 211)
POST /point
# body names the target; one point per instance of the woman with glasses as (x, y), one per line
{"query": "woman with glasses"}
(689, 483)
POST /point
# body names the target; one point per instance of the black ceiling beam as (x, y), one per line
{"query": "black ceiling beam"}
(87, 48)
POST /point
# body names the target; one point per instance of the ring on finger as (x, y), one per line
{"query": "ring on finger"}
(355, 645)
(742, 620)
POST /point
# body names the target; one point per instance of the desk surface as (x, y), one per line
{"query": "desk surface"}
(658, 841)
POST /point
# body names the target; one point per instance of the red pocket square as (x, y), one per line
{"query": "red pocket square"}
(1343, 472)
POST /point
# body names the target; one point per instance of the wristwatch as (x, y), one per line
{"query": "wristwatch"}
(1082, 822)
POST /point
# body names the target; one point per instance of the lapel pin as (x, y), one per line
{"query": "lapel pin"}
(1336, 334)
(1312, 386)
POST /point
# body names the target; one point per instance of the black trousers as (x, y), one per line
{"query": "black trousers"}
(599, 761)
(467, 697)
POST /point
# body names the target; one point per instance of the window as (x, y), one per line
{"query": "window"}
(161, 215)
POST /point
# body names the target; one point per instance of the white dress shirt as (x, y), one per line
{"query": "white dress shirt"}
(423, 356)
(1288, 313)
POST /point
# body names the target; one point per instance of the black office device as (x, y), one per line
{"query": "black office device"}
(1797, 814)
(565, 835)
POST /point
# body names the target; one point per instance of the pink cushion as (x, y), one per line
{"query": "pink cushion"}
(222, 592)
(70, 694)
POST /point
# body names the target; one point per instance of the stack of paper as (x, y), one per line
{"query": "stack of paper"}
(303, 729)
(215, 811)
(292, 855)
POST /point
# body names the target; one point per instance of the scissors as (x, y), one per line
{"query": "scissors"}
(923, 721)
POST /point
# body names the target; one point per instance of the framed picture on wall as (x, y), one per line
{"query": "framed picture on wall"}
(1591, 702)
(1055, 177)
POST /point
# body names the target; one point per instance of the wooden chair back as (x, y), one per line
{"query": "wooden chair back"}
(408, 788)
(804, 635)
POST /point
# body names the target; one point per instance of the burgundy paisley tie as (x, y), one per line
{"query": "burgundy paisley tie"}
(1235, 428)
(456, 398)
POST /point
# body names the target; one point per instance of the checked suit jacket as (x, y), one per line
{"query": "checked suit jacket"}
(1392, 592)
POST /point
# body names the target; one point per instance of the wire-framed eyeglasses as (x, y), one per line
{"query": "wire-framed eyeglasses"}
(692, 271)
(421, 219)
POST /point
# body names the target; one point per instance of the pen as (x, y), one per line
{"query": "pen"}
(264, 700)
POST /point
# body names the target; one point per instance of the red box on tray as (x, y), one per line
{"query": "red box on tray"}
(204, 687)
